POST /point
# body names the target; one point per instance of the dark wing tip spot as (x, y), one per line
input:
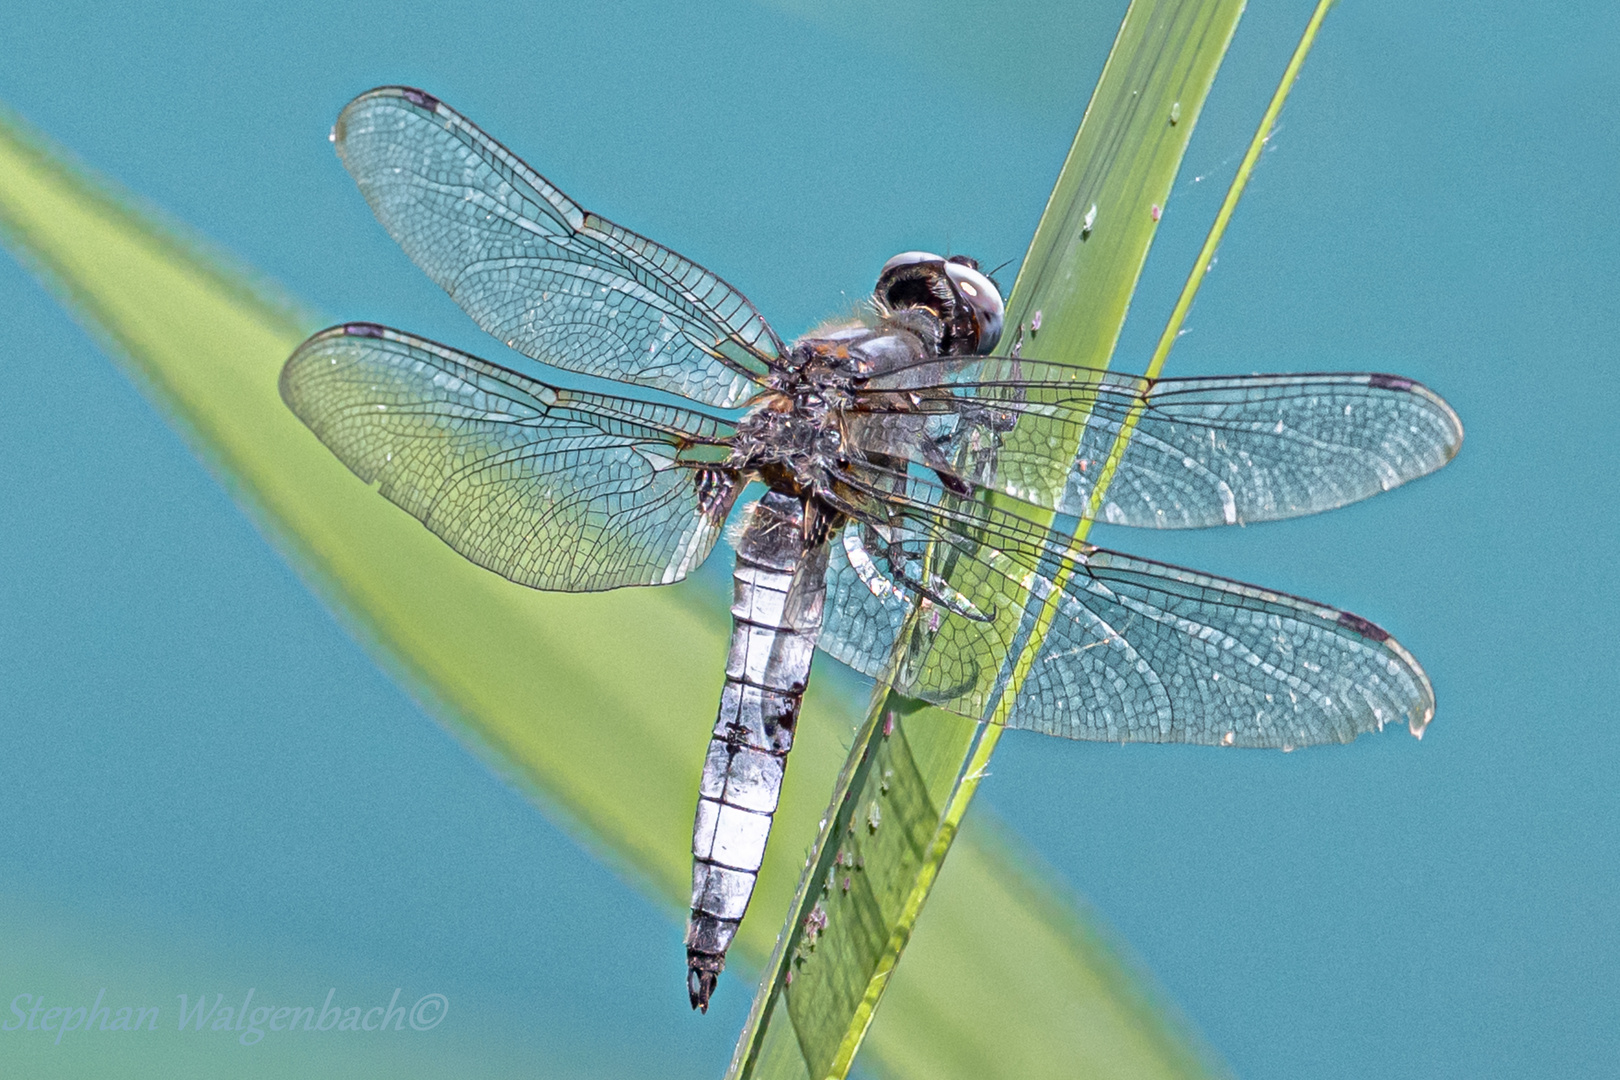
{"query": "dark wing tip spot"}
(363, 329)
(419, 97)
(1363, 627)
(1389, 382)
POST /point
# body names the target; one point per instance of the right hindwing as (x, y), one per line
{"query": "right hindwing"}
(1098, 645)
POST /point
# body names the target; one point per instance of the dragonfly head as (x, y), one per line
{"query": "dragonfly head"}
(965, 300)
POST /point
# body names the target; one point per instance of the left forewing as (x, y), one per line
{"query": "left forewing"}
(538, 271)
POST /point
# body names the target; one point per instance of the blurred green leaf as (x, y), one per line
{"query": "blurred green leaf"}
(534, 681)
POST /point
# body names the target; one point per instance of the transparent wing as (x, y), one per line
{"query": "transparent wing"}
(534, 269)
(1137, 651)
(865, 609)
(1204, 451)
(550, 488)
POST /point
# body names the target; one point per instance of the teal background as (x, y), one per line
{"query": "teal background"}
(206, 784)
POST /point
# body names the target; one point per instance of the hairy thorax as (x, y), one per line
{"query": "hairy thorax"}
(798, 435)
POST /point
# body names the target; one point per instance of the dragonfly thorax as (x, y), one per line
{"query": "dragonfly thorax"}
(796, 436)
(788, 439)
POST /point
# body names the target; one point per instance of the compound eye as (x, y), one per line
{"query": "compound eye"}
(918, 279)
(982, 300)
(965, 300)
(908, 258)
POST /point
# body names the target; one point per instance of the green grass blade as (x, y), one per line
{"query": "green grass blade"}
(1161, 352)
(532, 681)
(1024, 662)
(908, 781)
(979, 757)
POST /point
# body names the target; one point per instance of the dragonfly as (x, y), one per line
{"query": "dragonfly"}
(894, 451)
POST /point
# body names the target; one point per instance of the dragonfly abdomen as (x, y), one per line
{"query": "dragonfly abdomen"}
(780, 584)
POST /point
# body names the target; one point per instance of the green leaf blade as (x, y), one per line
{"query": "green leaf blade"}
(1078, 278)
(1121, 167)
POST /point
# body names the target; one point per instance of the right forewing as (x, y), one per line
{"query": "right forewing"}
(1202, 451)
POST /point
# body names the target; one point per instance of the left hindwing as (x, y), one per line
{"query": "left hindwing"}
(551, 488)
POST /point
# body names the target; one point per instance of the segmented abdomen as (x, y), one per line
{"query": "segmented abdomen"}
(779, 588)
